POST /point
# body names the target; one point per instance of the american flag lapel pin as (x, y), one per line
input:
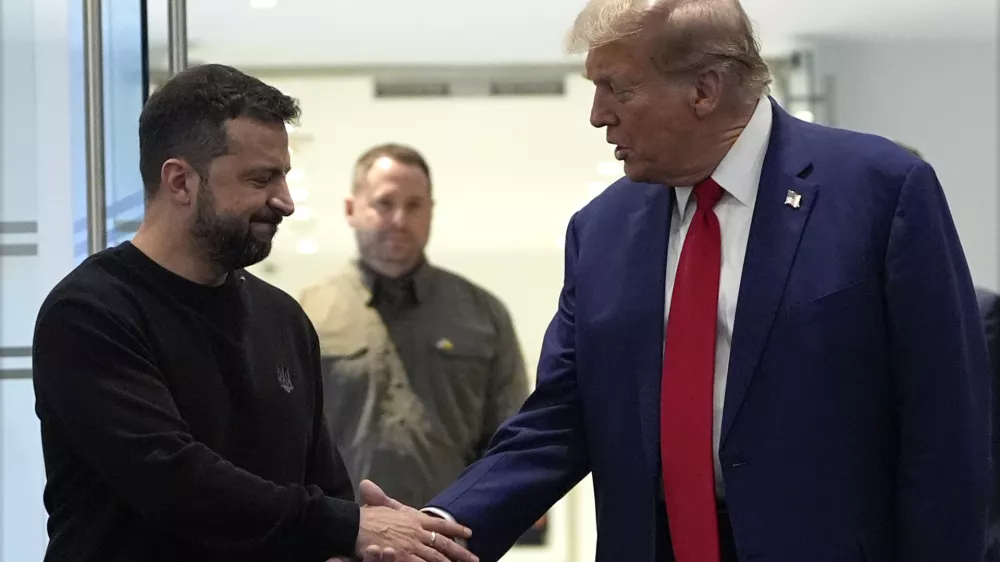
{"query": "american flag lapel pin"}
(793, 200)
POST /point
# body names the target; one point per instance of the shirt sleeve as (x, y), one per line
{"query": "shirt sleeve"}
(508, 382)
(326, 467)
(97, 383)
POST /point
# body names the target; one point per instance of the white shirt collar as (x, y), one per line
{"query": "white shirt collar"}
(739, 172)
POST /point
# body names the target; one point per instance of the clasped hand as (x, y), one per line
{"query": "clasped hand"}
(393, 532)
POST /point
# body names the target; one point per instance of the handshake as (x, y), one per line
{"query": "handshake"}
(392, 532)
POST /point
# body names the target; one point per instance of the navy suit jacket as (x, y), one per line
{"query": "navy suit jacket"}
(856, 419)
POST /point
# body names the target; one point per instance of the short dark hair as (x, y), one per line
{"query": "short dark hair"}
(186, 117)
(396, 152)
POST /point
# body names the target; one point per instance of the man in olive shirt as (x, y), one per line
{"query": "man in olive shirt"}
(420, 365)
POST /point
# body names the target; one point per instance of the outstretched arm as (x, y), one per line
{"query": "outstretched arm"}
(536, 456)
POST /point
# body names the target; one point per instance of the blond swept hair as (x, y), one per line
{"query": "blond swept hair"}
(688, 37)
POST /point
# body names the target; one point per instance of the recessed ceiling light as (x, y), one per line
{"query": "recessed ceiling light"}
(263, 4)
(307, 246)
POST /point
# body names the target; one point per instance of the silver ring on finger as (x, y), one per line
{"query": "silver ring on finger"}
(434, 537)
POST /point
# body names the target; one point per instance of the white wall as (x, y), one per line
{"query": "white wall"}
(508, 173)
(42, 182)
(940, 98)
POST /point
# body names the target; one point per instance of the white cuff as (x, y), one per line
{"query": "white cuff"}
(439, 513)
(435, 512)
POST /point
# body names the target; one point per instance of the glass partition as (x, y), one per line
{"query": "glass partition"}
(43, 207)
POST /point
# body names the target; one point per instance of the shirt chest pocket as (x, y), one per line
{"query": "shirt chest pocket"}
(350, 362)
(347, 340)
(350, 366)
(466, 357)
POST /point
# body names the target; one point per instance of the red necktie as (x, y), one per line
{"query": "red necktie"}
(686, 393)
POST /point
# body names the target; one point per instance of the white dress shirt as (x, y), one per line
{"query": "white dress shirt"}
(739, 176)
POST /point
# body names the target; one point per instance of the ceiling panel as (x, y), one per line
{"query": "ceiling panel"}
(342, 32)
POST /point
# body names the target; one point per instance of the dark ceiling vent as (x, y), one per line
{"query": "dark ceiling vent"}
(388, 89)
(528, 88)
(466, 87)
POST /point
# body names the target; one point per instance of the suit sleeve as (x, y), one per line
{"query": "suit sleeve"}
(942, 381)
(97, 382)
(536, 456)
(508, 383)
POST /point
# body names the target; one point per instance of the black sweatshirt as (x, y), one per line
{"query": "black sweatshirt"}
(183, 422)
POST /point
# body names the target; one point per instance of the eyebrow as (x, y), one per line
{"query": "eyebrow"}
(272, 170)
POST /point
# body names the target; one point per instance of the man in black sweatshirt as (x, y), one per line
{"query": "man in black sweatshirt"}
(179, 396)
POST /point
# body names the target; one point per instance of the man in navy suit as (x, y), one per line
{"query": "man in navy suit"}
(767, 345)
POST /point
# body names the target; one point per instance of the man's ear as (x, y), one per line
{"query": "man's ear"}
(349, 209)
(708, 92)
(179, 181)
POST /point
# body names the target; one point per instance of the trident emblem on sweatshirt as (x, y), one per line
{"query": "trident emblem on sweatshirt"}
(285, 379)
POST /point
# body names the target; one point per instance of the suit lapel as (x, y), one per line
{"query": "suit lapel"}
(775, 232)
(648, 230)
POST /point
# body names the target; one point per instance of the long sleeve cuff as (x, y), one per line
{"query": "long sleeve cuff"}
(440, 513)
(331, 529)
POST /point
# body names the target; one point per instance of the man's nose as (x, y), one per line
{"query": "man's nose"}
(282, 201)
(600, 116)
(399, 216)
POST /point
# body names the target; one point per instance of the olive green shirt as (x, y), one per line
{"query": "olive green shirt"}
(419, 372)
